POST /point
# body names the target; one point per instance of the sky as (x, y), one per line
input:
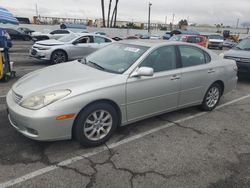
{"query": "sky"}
(196, 11)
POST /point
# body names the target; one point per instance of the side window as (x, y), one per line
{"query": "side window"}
(83, 40)
(99, 40)
(198, 39)
(190, 39)
(162, 59)
(191, 56)
(207, 57)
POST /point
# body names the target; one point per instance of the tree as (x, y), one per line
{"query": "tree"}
(110, 3)
(103, 13)
(183, 24)
(114, 15)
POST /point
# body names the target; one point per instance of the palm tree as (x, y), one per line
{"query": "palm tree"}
(114, 14)
(110, 3)
(103, 14)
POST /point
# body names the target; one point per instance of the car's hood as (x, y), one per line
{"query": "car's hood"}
(36, 33)
(216, 40)
(50, 42)
(238, 53)
(71, 75)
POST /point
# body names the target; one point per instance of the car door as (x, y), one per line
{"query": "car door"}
(197, 74)
(81, 47)
(147, 96)
(14, 35)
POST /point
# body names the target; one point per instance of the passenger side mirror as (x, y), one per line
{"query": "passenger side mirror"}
(143, 71)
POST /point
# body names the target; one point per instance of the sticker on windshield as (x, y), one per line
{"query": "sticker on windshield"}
(130, 49)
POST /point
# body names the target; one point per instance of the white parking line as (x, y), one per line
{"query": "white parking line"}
(101, 149)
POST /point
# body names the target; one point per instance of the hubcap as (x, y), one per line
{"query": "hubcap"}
(97, 125)
(212, 97)
(59, 57)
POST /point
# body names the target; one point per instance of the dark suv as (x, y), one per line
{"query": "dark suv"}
(17, 35)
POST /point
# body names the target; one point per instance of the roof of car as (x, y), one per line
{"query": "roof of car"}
(148, 43)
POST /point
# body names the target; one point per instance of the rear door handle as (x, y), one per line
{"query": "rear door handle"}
(211, 71)
(175, 77)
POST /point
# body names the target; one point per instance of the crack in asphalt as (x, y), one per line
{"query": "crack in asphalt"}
(184, 127)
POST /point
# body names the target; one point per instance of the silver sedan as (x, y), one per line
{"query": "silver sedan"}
(122, 83)
(70, 47)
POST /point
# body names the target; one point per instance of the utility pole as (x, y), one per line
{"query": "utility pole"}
(149, 13)
(237, 25)
(173, 19)
(166, 20)
(36, 10)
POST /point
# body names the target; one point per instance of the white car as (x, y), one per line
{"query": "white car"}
(70, 47)
(215, 41)
(55, 34)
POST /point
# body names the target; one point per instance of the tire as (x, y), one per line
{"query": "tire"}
(86, 126)
(27, 38)
(215, 92)
(58, 56)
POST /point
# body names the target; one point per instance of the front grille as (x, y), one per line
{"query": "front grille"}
(17, 98)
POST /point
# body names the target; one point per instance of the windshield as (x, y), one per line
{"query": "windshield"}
(116, 58)
(68, 38)
(243, 45)
(215, 37)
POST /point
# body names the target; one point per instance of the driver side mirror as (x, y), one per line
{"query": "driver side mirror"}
(143, 71)
(75, 42)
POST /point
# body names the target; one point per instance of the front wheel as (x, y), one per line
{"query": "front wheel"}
(95, 124)
(212, 97)
(58, 56)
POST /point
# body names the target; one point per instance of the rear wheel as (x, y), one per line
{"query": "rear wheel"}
(58, 56)
(95, 124)
(27, 38)
(212, 97)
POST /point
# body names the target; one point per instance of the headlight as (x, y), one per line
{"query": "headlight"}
(43, 48)
(41, 100)
(222, 55)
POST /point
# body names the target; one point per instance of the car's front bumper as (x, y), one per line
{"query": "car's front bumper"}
(40, 54)
(215, 45)
(243, 68)
(38, 124)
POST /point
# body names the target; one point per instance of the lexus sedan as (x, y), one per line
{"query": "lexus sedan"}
(117, 85)
(70, 47)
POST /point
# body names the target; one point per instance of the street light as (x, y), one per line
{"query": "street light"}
(149, 12)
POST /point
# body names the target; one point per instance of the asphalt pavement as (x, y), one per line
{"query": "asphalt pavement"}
(183, 149)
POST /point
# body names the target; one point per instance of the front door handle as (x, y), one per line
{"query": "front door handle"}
(211, 71)
(175, 77)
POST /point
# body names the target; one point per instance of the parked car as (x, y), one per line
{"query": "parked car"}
(131, 37)
(155, 37)
(196, 39)
(56, 34)
(229, 43)
(117, 85)
(100, 33)
(17, 35)
(241, 54)
(70, 47)
(167, 36)
(215, 41)
(26, 30)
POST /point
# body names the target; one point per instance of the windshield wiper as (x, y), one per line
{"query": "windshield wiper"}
(96, 65)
